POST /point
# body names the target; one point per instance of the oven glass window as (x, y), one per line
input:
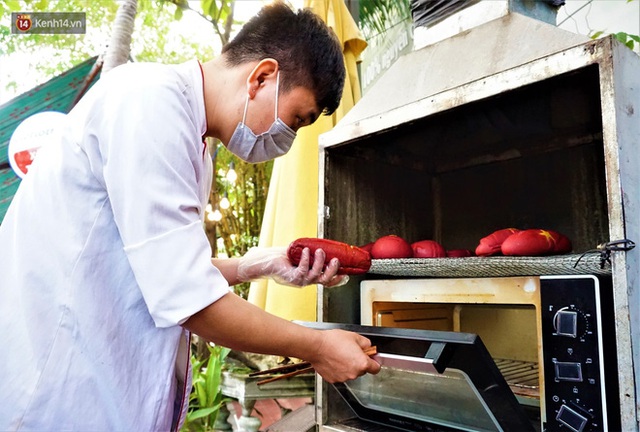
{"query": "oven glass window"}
(448, 399)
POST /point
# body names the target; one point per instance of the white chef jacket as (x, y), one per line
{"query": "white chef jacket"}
(103, 255)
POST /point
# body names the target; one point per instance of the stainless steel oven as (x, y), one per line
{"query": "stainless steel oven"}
(475, 132)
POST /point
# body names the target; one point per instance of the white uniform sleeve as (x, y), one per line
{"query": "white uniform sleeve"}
(148, 153)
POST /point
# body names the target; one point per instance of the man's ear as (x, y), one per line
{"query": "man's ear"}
(265, 69)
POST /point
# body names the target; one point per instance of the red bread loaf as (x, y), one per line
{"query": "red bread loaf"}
(353, 260)
(428, 249)
(491, 244)
(536, 242)
(391, 246)
(367, 247)
(563, 244)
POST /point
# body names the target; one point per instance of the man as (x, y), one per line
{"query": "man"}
(105, 267)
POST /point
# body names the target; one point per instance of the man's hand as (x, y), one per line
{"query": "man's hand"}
(340, 357)
(273, 262)
(337, 355)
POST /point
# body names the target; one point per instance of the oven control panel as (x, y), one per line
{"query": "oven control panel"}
(575, 360)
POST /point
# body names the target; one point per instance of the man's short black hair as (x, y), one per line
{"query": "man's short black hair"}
(308, 52)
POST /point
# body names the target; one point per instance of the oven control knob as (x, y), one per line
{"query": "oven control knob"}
(567, 371)
(572, 419)
(570, 322)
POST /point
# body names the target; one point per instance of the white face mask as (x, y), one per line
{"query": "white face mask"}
(266, 146)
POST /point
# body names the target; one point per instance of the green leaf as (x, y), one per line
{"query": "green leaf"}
(42, 5)
(224, 352)
(211, 10)
(378, 15)
(225, 6)
(178, 13)
(212, 385)
(627, 39)
(143, 6)
(13, 5)
(203, 412)
(201, 393)
(206, 5)
(621, 36)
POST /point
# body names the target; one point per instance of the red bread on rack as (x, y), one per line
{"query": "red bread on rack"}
(428, 249)
(353, 260)
(563, 243)
(367, 247)
(492, 244)
(536, 242)
(391, 246)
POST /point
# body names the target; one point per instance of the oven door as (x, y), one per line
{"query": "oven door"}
(429, 381)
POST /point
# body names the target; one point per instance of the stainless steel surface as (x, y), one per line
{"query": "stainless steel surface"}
(621, 88)
(405, 363)
(431, 79)
(481, 12)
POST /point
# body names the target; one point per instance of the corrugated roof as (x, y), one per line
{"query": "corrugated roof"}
(57, 94)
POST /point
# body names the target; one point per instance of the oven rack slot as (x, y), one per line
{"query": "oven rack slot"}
(521, 376)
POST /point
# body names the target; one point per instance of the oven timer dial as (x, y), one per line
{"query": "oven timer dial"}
(571, 322)
(576, 418)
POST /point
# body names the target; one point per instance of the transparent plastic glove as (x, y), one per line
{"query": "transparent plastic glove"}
(339, 356)
(272, 262)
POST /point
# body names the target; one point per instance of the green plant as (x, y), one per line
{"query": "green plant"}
(377, 16)
(628, 39)
(206, 397)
